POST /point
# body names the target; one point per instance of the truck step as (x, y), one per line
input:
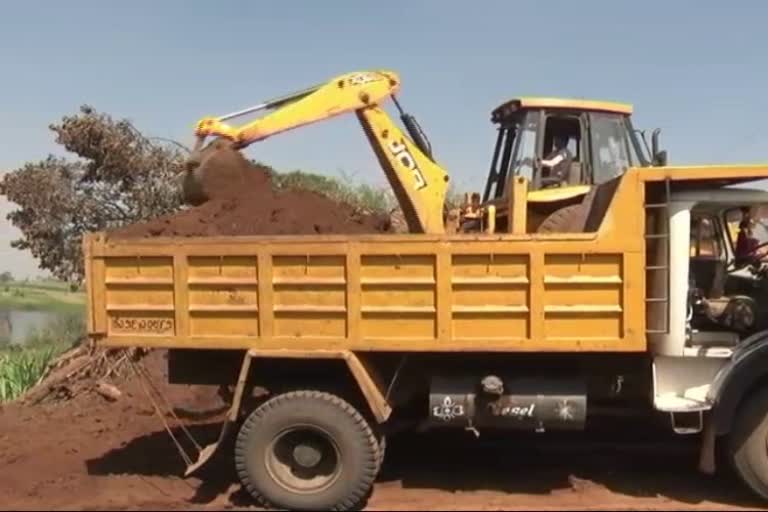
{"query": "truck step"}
(687, 423)
(676, 404)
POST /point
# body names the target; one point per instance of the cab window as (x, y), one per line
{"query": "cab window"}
(525, 156)
(567, 126)
(609, 147)
(705, 242)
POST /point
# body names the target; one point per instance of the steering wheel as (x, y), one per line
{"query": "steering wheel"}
(550, 181)
(750, 259)
(751, 254)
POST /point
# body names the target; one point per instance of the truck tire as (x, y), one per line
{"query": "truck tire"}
(747, 446)
(569, 219)
(382, 451)
(307, 450)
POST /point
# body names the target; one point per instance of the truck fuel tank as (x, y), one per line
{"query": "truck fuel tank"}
(536, 404)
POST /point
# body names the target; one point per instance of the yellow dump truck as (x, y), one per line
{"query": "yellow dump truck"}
(654, 305)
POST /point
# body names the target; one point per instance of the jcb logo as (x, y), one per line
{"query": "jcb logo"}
(400, 151)
(362, 78)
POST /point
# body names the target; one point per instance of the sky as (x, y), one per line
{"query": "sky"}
(695, 69)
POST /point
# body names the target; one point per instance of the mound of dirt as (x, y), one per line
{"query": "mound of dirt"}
(228, 175)
(242, 201)
(68, 443)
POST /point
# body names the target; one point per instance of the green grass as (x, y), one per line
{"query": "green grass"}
(21, 366)
(41, 297)
(44, 285)
(346, 189)
(343, 189)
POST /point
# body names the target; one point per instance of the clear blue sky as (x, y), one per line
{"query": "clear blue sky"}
(696, 69)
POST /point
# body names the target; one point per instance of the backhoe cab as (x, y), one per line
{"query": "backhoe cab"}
(601, 143)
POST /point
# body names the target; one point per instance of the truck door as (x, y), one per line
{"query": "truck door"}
(707, 267)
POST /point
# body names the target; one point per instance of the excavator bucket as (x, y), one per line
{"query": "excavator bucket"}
(215, 171)
(191, 185)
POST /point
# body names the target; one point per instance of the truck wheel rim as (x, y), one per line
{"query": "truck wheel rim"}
(304, 460)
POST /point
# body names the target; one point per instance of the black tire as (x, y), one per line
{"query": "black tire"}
(569, 219)
(747, 447)
(344, 454)
(382, 451)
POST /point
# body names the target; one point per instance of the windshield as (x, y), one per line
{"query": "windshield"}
(514, 155)
(609, 147)
(525, 152)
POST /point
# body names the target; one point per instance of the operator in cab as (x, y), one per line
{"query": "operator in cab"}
(558, 162)
(748, 248)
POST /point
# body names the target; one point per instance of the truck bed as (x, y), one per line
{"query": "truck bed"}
(509, 293)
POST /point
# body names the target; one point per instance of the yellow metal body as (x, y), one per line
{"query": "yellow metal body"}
(565, 103)
(479, 292)
(557, 194)
(419, 183)
(340, 95)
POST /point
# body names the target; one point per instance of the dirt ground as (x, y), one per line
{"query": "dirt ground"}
(91, 454)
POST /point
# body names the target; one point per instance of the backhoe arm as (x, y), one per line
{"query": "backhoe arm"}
(419, 184)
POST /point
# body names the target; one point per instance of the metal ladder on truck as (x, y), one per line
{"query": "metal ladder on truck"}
(662, 267)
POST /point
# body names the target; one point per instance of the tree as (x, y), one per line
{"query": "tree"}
(120, 177)
(6, 277)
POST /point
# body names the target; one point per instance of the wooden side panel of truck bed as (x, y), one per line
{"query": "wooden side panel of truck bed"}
(374, 293)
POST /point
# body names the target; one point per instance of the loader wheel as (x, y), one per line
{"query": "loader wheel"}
(748, 447)
(569, 219)
(307, 450)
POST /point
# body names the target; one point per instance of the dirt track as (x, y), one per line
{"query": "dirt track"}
(89, 454)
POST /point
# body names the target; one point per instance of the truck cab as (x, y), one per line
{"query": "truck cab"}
(727, 266)
(718, 290)
(717, 296)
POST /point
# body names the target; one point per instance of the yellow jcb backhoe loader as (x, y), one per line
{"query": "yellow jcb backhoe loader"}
(598, 135)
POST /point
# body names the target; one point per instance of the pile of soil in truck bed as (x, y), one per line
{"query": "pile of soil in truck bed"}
(243, 201)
